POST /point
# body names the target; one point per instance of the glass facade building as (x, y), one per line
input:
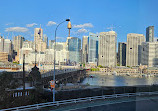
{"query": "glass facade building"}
(93, 48)
(122, 53)
(74, 48)
(150, 34)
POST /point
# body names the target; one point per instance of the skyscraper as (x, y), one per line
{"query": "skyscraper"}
(133, 51)
(122, 53)
(38, 39)
(150, 34)
(8, 48)
(93, 48)
(85, 49)
(51, 42)
(107, 48)
(74, 48)
(149, 54)
(1, 44)
(46, 40)
(17, 43)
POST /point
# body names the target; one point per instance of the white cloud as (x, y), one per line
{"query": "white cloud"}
(16, 29)
(82, 31)
(50, 23)
(86, 25)
(31, 25)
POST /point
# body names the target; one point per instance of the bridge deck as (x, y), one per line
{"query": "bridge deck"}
(147, 103)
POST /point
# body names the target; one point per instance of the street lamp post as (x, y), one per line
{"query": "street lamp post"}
(55, 57)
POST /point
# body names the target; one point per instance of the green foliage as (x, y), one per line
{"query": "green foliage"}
(16, 62)
(94, 69)
(118, 64)
(100, 66)
(128, 66)
(7, 82)
(83, 65)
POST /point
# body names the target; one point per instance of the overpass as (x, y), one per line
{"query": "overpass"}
(97, 103)
(62, 76)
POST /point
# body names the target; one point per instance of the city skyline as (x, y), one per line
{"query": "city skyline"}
(125, 16)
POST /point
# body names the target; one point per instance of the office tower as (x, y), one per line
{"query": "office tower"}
(28, 44)
(150, 34)
(107, 48)
(38, 40)
(84, 49)
(68, 39)
(17, 43)
(1, 44)
(133, 51)
(51, 42)
(74, 48)
(122, 53)
(8, 46)
(46, 40)
(149, 54)
(93, 48)
(29, 55)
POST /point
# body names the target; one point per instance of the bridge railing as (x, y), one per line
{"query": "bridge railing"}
(57, 103)
(50, 73)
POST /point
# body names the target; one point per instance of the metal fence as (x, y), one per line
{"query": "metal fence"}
(79, 100)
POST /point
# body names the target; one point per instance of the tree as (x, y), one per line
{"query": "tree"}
(100, 66)
(7, 82)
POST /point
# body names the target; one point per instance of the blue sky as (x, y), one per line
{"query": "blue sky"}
(127, 16)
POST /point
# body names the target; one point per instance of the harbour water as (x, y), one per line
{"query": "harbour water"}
(114, 80)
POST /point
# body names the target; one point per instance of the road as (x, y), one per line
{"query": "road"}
(118, 104)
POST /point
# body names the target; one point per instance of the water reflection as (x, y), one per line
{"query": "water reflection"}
(112, 80)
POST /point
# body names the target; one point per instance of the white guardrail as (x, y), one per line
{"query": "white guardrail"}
(57, 103)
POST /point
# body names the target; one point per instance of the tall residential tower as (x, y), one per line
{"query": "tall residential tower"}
(107, 48)
(133, 51)
(84, 49)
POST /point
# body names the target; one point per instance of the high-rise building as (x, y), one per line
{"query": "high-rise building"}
(17, 43)
(38, 39)
(84, 49)
(150, 34)
(28, 44)
(107, 48)
(51, 42)
(93, 48)
(1, 44)
(149, 54)
(8, 48)
(74, 48)
(133, 50)
(46, 40)
(122, 53)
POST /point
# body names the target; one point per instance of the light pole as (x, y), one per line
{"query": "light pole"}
(54, 58)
